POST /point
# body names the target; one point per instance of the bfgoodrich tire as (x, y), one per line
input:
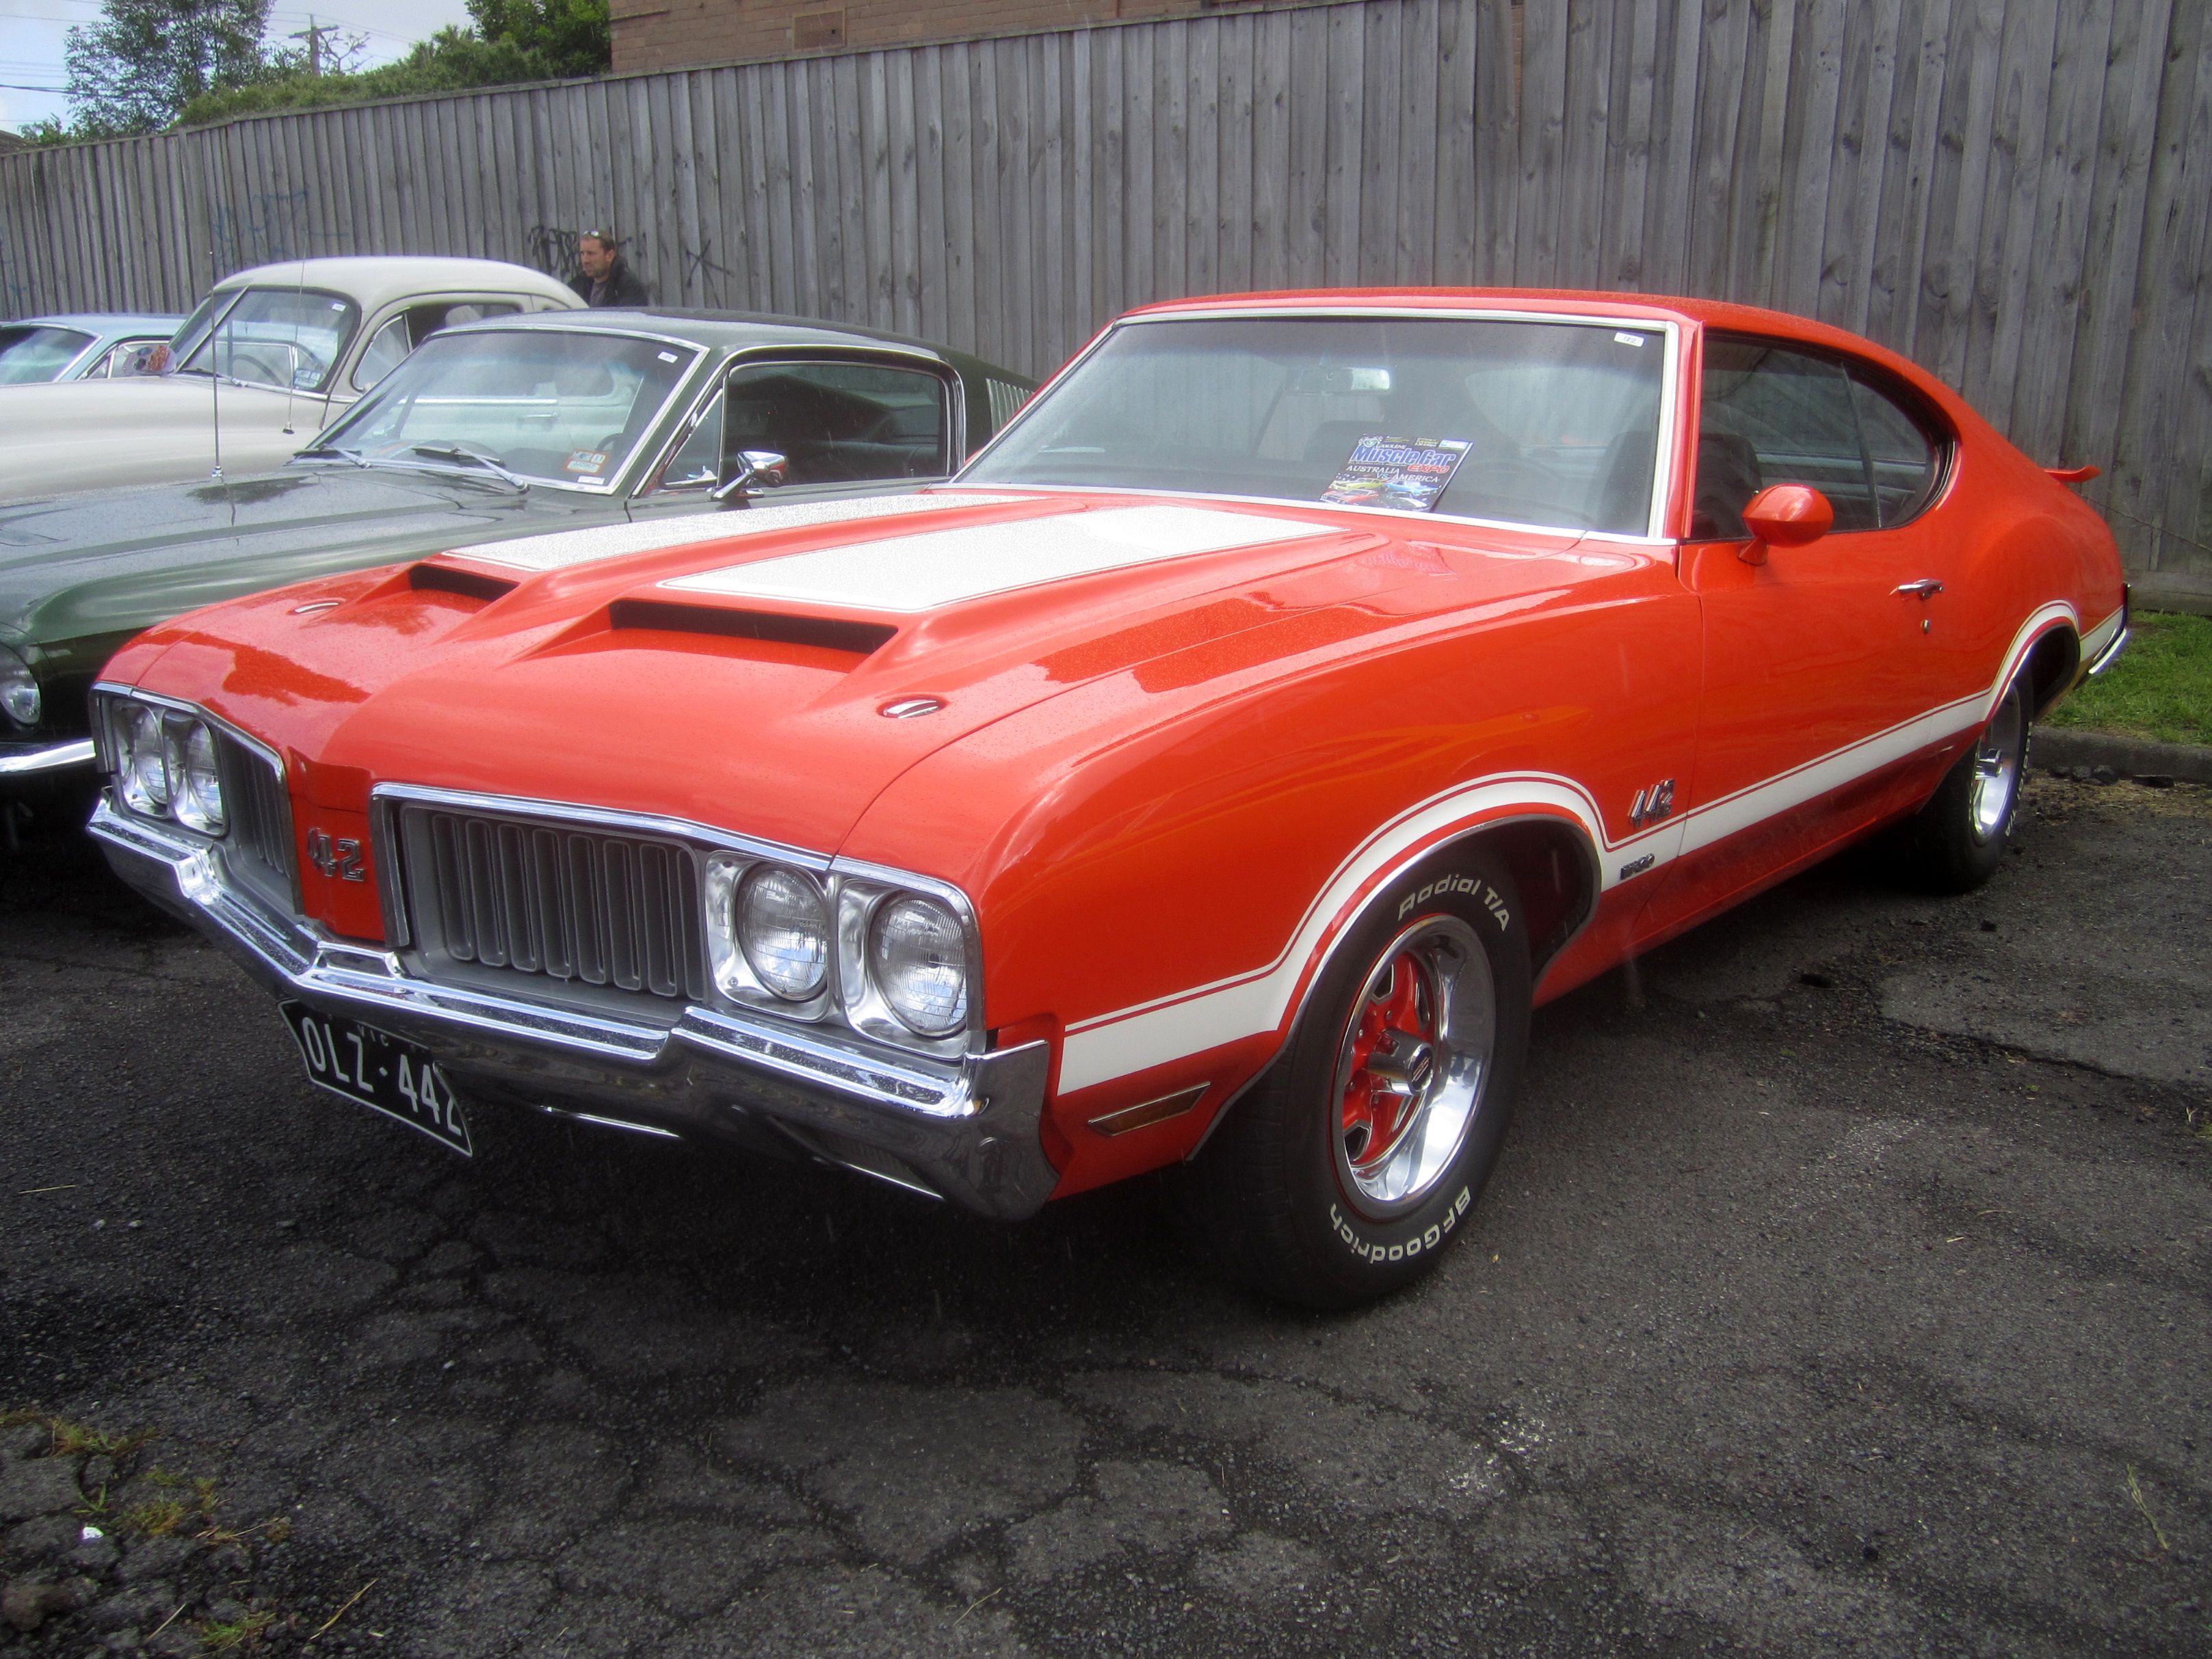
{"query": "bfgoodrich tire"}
(1955, 842)
(1356, 1161)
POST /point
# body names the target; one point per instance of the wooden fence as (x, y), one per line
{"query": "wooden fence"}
(2014, 192)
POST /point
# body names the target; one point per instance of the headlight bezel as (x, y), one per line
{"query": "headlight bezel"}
(121, 716)
(730, 967)
(23, 702)
(853, 894)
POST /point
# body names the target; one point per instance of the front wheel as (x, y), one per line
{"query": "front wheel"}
(1356, 1160)
(1955, 842)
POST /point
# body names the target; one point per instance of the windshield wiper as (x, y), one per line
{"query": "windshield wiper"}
(330, 452)
(468, 456)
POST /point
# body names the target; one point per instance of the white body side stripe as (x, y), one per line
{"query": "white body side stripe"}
(1188, 1022)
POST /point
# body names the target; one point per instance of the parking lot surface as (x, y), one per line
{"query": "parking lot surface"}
(1843, 1290)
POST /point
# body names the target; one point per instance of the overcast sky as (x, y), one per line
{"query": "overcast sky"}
(32, 72)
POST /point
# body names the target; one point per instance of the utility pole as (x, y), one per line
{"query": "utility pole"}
(312, 34)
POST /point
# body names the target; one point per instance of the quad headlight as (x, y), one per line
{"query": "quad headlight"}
(866, 951)
(19, 690)
(918, 959)
(166, 767)
(783, 928)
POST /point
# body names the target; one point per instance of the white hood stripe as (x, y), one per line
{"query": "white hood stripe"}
(934, 567)
(562, 548)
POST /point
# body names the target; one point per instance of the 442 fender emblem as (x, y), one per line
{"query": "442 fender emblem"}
(1653, 804)
(338, 859)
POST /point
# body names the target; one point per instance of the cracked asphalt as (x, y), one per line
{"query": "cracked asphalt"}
(1843, 1290)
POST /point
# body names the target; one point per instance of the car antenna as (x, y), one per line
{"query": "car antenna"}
(214, 390)
(292, 379)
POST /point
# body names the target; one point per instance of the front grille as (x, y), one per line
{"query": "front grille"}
(258, 852)
(585, 913)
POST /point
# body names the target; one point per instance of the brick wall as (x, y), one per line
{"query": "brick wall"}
(664, 34)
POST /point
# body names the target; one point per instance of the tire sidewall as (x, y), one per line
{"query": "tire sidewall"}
(1363, 1255)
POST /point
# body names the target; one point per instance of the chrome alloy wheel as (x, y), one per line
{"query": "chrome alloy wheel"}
(1997, 757)
(1411, 1065)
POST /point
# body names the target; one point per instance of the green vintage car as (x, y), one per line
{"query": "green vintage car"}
(515, 427)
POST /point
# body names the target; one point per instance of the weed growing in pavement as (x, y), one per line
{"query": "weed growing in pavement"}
(237, 1633)
(159, 1519)
(74, 1439)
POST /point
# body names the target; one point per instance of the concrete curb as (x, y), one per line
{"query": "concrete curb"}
(2061, 750)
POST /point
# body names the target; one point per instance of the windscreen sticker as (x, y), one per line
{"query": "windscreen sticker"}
(1406, 473)
(586, 460)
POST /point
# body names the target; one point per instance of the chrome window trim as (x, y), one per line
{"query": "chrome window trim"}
(718, 380)
(833, 872)
(1670, 382)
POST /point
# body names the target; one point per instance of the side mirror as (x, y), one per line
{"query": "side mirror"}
(1784, 515)
(764, 469)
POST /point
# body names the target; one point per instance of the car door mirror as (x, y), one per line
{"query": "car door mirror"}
(1784, 515)
(762, 469)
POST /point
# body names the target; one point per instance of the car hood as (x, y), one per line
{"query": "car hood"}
(116, 560)
(765, 681)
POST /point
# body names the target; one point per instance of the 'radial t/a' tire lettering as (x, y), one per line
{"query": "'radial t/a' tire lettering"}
(1358, 1160)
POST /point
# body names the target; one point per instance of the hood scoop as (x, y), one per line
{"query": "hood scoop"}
(469, 584)
(847, 638)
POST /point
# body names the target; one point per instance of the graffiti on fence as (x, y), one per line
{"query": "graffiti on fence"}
(269, 228)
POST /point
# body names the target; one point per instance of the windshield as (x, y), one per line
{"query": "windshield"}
(29, 355)
(1528, 423)
(277, 337)
(545, 404)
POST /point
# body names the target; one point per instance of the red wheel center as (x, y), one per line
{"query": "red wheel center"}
(1393, 1059)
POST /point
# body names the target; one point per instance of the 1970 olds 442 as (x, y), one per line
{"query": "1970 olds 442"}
(492, 430)
(1301, 687)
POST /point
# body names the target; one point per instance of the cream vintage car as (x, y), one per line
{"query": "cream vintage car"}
(267, 359)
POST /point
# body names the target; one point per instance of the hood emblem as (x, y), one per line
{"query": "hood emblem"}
(907, 708)
(313, 606)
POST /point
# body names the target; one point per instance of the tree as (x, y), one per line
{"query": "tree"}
(136, 69)
(570, 37)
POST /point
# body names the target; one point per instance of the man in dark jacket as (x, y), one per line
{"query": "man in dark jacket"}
(607, 279)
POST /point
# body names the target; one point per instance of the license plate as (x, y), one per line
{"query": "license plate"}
(379, 1071)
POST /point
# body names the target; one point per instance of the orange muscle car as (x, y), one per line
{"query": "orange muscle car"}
(1214, 773)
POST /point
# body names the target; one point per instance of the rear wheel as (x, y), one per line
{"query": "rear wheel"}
(1345, 1171)
(1955, 842)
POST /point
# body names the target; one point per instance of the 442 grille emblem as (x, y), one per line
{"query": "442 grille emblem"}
(1653, 804)
(339, 860)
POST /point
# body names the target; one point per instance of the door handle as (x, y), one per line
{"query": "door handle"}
(1926, 588)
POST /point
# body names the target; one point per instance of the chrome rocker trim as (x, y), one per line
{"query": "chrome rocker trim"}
(26, 761)
(967, 1131)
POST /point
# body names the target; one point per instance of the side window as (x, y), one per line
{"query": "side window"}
(840, 422)
(399, 336)
(386, 349)
(1905, 453)
(1770, 416)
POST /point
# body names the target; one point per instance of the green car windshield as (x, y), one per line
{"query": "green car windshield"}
(1553, 424)
(544, 405)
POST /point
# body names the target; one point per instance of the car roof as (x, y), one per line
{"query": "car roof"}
(376, 279)
(1573, 302)
(730, 330)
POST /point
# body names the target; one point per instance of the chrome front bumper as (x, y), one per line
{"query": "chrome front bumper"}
(27, 760)
(967, 1131)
